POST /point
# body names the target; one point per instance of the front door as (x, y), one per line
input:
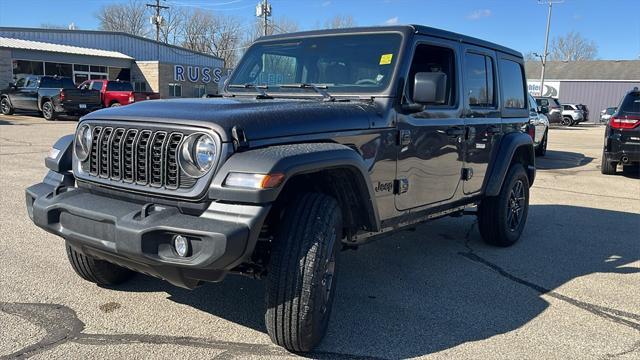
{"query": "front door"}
(481, 115)
(429, 158)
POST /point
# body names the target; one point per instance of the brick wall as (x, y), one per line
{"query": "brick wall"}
(6, 68)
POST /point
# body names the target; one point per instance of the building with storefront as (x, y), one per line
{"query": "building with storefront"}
(599, 84)
(169, 70)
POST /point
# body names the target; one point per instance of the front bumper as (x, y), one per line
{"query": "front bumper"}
(140, 236)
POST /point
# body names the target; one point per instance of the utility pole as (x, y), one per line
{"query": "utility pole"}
(263, 10)
(546, 41)
(157, 19)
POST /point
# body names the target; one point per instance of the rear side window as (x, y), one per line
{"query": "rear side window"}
(513, 88)
(119, 86)
(48, 82)
(630, 103)
(478, 80)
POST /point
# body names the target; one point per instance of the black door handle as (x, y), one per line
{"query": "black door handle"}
(455, 131)
(494, 129)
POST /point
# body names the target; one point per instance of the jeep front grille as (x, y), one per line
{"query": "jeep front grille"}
(137, 156)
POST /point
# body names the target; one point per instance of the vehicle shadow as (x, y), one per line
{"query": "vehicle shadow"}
(416, 293)
(555, 160)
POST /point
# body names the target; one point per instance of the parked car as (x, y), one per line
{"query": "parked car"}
(605, 114)
(585, 111)
(540, 125)
(554, 110)
(382, 131)
(622, 136)
(51, 95)
(117, 93)
(572, 115)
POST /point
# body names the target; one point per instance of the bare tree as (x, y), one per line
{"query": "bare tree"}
(172, 25)
(339, 22)
(131, 18)
(226, 39)
(573, 47)
(198, 31)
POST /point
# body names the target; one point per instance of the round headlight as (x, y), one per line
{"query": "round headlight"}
(205, 152)
(83, 142)
(197, 155)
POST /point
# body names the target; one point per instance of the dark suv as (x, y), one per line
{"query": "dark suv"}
(323, 140)
(552, 107)
(622, 136)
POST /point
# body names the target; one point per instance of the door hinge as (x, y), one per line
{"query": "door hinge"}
(404, 137)
(240, 141)
(467, 174)
(400, 186)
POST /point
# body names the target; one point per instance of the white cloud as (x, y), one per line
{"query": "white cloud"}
(326, 3)
(479, 14)
(392, 21)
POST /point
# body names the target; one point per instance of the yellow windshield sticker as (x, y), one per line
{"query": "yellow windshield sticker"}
(386, 59)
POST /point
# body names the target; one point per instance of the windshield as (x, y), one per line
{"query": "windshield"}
(340, 63)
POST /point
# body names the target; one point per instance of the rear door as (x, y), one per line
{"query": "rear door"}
(483, 126)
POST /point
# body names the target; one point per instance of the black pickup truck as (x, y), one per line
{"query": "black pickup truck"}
(323, 140)
(50, 95)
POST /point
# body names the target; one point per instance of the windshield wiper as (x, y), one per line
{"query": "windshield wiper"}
(320, 89)
(259, 88)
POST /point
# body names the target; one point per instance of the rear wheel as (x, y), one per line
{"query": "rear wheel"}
(48, 111)
(501, 218)
(541, 149)
(608, 167)
(5, 107)
(114, 104)
(302, 270)
(97, 271)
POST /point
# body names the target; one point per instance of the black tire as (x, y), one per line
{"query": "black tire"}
(115, 104)
(501, 218)
(566, 121)
(5, 107)
(608, 167)
(97, 271)
(48, 111)
(541, 149)
(301, 281)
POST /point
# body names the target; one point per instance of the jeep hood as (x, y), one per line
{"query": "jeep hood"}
(260, 119)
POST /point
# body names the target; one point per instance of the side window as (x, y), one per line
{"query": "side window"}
(32, 83)
(532, 105)
(513, 85)
(96, 85)
(20, 82)
(479, 80)
(435, 59)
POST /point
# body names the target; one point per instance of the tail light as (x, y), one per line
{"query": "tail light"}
(62, 95)
(131, 98)
(628, 122)
(532, 132)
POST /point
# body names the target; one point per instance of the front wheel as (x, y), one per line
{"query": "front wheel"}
(48, 111)
(97, 271)
(114, 104)
(566, 121)
(501, 218)
(302, 272)
(5, 107)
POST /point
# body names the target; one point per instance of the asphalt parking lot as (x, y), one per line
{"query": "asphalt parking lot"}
(569, 289)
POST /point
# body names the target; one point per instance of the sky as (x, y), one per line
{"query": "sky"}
(614, 25)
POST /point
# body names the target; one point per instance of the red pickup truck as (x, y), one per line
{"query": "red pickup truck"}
(117, 93)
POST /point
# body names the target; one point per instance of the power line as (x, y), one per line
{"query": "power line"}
(263, 10)
(157, 20)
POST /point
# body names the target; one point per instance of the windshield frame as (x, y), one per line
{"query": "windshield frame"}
(388, 91)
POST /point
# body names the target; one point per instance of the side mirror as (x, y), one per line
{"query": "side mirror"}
(543, 110)
(430, 88)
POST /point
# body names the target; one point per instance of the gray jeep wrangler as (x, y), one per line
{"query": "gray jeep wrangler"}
(323, 140)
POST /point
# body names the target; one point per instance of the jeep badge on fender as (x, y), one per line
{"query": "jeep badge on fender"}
(323, 139)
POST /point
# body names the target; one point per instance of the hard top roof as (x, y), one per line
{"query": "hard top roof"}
(407, 29)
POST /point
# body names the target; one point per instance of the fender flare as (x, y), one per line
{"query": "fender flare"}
(509, 144)
(292, 160)
(61, 163)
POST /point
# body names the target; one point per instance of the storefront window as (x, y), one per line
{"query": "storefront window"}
(140, 86)
(80, 78)
(175, 90)
(26, 67)
(58, 69)
(199, 91)
(98, 69)
(78, 67)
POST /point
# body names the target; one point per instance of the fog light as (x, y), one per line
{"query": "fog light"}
(181, 245)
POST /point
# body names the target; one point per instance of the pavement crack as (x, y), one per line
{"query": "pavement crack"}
(634, 347)
(624, 318)
(583, 193)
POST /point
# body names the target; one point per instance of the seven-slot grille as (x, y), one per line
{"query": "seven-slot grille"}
(137, 156)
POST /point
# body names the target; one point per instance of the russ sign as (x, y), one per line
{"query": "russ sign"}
(197, 74)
